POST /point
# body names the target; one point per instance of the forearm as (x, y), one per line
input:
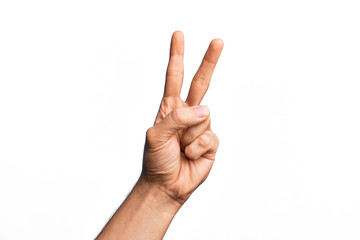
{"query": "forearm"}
(145, 214)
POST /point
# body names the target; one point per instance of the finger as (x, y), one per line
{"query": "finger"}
(201, 80)
(175, 69)
(178, 119)
(205, 143)
(191, 133)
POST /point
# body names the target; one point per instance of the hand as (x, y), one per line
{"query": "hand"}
(179, 152)
(180, 148)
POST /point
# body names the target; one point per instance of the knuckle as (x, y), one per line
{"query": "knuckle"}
(202, 81)
(174, 70)
(176, 115)
(217, 141)
(213, 138)
(189, 152)
(204, 140)
(189, 135)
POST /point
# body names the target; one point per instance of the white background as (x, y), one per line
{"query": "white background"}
(81, 81)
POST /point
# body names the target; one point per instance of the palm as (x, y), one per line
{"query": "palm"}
(182, 173)
(168, 162)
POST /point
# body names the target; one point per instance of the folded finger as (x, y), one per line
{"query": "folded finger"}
(191, 133)
(205, 143)
(176, 120)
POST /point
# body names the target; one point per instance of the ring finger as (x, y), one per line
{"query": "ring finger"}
(205, 143)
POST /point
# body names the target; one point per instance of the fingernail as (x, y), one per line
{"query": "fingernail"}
(202, 111)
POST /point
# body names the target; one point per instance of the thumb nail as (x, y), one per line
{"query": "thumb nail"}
(202, 111)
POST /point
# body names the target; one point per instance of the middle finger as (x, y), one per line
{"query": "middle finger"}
(201, 80)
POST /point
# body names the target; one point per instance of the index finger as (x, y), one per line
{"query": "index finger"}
(175, 69)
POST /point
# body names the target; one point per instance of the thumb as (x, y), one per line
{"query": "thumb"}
(179, 118)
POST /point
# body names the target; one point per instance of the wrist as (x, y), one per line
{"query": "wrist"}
(145, 214)
(157, 198)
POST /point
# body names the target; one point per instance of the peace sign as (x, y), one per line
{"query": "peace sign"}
(175, 74)
(180, 148)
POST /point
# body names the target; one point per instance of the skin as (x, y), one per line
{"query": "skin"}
(179, 152)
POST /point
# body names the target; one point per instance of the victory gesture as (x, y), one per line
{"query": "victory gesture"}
(180, 148)
(179, 152)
